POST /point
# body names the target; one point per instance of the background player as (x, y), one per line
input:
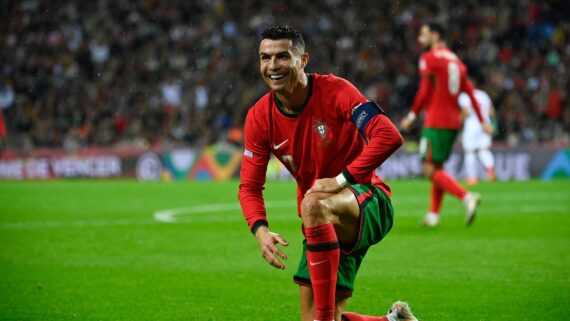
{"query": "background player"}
(443, 77)
(318, 126)
(476, 142)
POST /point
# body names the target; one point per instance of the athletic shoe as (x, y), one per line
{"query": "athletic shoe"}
(471, 181)
(471, 203)
(400, 311)
(431, 220)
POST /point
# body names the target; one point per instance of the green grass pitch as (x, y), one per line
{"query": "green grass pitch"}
(92, 250)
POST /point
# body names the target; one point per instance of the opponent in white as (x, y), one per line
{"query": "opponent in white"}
(476, 143)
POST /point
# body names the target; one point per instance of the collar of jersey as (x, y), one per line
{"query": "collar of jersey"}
(280, 106)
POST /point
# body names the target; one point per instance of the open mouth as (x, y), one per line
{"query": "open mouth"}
(277, 77)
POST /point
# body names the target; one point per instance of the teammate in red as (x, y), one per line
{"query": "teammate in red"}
(331, 139)
(443, 78)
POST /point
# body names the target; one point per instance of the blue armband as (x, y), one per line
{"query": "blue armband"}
(363, 113)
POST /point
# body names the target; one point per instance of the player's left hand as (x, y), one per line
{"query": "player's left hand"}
(406, 124)
(268, 241)
(487, 128)
(325, 185)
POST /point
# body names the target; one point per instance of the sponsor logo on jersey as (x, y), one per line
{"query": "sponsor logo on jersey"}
(277, 146)
(247, 153)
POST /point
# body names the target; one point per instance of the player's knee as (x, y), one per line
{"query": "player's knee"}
(428, 171)
(311, 205)
(430, 168)
(313, 210)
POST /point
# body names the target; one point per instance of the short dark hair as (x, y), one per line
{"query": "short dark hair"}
(437, 28)
(285, 32)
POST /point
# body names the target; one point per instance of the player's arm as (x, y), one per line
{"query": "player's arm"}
(465, 112)
(465, 106)
(383, 140)
(427, 80)
(424, 91)
(467, 87)
(493, 119)
(253, 171)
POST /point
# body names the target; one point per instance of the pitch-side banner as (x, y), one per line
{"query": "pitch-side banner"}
(510, 164)
(217, 162)
(54, 164)
(222, 162)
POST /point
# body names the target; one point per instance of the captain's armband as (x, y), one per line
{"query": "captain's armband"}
(363, 113)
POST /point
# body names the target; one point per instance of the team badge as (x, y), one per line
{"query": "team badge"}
(321, 128)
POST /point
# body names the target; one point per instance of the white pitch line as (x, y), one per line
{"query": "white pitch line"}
(75, 223)
(491, 197)
(174, 215)
(168, 215)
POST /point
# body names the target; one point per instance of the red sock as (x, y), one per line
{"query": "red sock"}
(323, 254)
(349, 316)
(448, 184)
(436, 198)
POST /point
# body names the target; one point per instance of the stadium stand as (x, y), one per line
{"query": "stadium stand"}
(144, 73)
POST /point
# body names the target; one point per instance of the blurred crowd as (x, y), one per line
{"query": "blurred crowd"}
(77, 74)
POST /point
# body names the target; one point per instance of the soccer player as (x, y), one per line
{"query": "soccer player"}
(331, 139)
(476, 142)
(443, 77)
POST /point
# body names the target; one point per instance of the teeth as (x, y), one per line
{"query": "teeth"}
(276, 77)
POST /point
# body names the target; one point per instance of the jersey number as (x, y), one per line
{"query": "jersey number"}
(289, 160)
(453, 78)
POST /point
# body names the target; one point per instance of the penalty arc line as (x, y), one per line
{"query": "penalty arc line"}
(168, 215)
(175, 215)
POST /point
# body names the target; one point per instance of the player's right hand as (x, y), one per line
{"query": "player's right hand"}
(268, 245)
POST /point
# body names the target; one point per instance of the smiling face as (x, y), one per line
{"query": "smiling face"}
(281, 65)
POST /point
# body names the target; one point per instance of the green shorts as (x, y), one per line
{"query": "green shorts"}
(436, 144)
(376, 220)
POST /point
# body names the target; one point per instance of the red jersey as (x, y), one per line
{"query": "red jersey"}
(328, 137)
(443, 78)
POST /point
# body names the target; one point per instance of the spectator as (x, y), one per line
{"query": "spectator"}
(73, 66)
(6, 100)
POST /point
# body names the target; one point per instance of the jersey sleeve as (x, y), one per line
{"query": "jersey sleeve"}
(382, 137)
(424, 65)
(423, 93)
(347, 97)
(253, 172)
(425, 71)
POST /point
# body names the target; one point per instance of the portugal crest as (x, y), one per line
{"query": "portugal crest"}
(321, 128)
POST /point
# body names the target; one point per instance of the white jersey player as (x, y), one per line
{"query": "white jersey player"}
(477, 143)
